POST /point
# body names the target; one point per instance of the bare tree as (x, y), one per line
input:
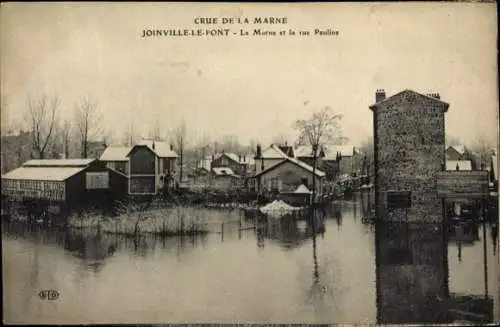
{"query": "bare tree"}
(155, 132)
(368, 165)
(86, 123)
(42, 119)
(129, 136)
(317, 131)
(180, 143)
(484, 150)
(66, 137)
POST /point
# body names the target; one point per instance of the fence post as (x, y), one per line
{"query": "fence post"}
(222, 231)
(239, 229)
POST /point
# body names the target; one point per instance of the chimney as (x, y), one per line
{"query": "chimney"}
(379, 95)
(171, 147)
(239, 158)
(153, 145)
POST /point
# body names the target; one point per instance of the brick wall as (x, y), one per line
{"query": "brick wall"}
(410, 151)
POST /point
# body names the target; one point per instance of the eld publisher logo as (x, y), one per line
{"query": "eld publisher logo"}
(50, 295)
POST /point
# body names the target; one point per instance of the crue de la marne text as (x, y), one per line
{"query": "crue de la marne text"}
(240, 20)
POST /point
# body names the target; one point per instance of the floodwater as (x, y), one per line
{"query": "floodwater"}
(279, 272)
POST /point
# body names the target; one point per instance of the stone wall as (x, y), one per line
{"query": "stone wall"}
(410, 151)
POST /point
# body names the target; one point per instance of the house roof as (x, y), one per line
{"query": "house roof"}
(58, 162)
(223, 171)
(115, 153)
(462, 165)
(42, 173)
(274, 152)
(459, 148)
(297, 162)
(409, 94)
(162, 149)
(345, 150)
(306, 151)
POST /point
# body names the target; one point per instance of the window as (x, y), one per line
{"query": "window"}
(142, 185)
(120, 166)
(97, 180)
(399, 200)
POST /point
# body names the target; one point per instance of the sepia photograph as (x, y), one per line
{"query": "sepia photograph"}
(238, 163)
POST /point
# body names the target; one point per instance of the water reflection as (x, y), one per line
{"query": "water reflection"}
(328, 266)
(412, 272)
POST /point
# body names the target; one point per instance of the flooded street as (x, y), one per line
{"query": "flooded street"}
(276, 273)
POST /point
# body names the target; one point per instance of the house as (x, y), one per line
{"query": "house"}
(457, 152)
(346, 158)
(305, 154)
(241, 165)
(67, 183)
(225, 179)
(453, 165)
(115, 158)
(271, 156)
(409, 139)
(287, 175)
(151, 167)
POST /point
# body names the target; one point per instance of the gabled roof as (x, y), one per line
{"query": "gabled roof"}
(41, 173)
(459, 148)
(274, 152)
(161, 149)
(115, 153)
(408, 94)
(462, 165)
(297, 162)
(58, 162)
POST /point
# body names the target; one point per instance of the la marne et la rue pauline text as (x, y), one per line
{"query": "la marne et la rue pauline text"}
(221, 31)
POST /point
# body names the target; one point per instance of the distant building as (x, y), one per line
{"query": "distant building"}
(271, 156)
(409, 152)
(351, 159)
(305, 154)
(225, 179)
(457, 152)
(287, 175)
(241, 165)
(115, 157)
(150, 166)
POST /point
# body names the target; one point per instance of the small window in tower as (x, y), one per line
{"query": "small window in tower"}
(399, 200)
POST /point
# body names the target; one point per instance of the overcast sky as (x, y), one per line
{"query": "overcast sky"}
(252, 87)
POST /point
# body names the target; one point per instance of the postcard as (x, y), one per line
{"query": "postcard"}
(238, 163)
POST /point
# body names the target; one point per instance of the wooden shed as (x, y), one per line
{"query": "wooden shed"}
(64, 183)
